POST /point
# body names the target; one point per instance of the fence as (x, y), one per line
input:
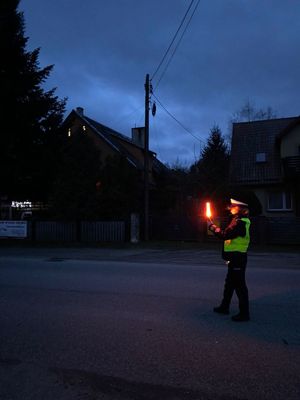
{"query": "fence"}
(271, 230)
(85, 231)
(54, 231)
(283, 230)
(103, 231)
(264, 230)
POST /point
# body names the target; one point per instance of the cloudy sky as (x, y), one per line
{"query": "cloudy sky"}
(232, 51)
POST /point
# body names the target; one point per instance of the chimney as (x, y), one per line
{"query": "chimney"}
(138, 136)
(80, 111)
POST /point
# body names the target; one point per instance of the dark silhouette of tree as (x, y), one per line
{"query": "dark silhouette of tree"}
(29, 115)
(170, 191)
(249, 112)
(208, 177)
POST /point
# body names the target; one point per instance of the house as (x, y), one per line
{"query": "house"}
(111, 142)
(265, 159)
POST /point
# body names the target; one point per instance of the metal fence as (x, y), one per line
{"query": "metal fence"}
(264, 230)
(84, 231)
(284, 230)
(105, 231)
(54, 231)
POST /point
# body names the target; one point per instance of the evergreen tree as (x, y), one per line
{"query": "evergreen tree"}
(29, 115)
(209, 176)
(170, 191)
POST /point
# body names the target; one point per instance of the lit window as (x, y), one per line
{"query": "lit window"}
(83, 128)
(69, 132)
(279, 201)
(261, 157)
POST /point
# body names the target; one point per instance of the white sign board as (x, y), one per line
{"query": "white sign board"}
(13, 229)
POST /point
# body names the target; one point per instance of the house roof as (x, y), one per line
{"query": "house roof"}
(252, 138)
(112, 138)
(285, 131)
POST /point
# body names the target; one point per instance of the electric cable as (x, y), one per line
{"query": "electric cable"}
(128, 115)
(178, 43)
(174, 38)
(178, 122)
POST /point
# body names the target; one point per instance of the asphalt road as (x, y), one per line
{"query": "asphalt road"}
(101, 324)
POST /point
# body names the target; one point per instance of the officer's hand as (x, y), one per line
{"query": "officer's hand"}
(214, 228)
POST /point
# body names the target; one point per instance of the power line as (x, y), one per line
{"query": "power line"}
(178, 122)
(174, 38)
(178, 43)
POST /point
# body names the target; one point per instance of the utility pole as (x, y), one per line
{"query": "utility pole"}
(146, 159)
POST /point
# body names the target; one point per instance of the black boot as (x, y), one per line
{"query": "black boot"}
(240, 317)
(221, 310)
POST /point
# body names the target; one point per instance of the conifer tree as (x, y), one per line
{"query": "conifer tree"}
(209, 175)
(29, 115)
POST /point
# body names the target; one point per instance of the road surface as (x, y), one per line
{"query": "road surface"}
(79, 327)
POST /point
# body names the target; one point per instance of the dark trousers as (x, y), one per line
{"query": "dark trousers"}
(235, 281)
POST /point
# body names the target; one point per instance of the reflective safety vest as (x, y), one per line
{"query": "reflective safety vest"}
(240, 243)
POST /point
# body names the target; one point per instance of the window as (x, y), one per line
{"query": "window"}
(279, 201)
(261, 157)
(69, 132)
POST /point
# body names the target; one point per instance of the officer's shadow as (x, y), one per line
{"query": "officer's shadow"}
(274, 318)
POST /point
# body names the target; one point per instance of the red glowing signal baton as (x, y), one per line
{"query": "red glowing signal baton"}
(208, 211)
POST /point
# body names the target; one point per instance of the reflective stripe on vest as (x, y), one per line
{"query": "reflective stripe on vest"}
(240, 243)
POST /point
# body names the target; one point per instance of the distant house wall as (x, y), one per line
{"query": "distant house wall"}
(290, 143)
(262, 194)
(265, 159)
(135, 150)
(110, 142)
(262, 197)
(138, 153)
(104, 148)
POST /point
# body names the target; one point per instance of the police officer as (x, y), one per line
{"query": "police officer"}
(236, 241)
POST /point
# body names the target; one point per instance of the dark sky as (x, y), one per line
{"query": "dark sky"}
(233, 51)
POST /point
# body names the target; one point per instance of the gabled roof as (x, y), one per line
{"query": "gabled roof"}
(250, 138)
(112, 138)
(285, 131)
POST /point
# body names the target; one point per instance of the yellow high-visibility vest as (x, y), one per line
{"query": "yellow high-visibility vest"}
(240, 243)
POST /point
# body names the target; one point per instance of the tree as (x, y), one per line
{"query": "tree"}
(248, 112)
(209, 175)
(29, 115)
(170, 190)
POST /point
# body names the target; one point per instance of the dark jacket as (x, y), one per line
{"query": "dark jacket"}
(236, 228)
